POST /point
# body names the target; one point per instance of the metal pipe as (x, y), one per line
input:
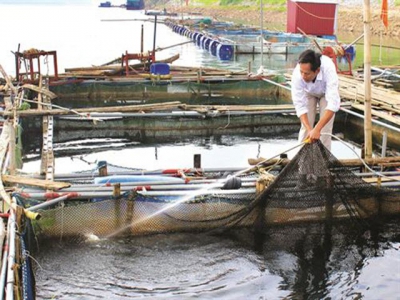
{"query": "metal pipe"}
(148, 186)
(372, 120)
(141, 40)
(90, 195)
(277, 83)
(384, 144)
(261, 33)
(184, 193)
(353, 42)
(154, 39)
(382, 71)
(162, 172)
(51, 202)
(131, 185)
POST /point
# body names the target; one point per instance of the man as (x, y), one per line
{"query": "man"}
(315, 83)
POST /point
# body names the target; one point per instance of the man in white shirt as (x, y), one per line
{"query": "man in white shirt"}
(315, 83)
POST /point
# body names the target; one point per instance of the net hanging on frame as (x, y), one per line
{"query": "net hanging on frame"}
(314, 186)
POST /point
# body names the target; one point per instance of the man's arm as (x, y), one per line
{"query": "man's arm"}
(315, 133)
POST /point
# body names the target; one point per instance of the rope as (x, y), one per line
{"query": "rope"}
(361, 159)
(258, 165)
(229, 121)
(311, 14)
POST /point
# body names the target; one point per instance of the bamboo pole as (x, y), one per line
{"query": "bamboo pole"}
(66, 111)
(367, 80)
(4, 142)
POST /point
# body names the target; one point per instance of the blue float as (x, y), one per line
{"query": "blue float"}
(198, 38)
(213, 47)
(225, 52)
(206, 43)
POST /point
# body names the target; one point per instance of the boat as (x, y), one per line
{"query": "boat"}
(105, 4)
(134, 4)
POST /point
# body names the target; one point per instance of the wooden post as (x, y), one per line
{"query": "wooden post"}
(141, 40)
(367, 79)
(261, 33)
(197, 161)
(117, 205)
(117, 190)
(12, 149)
(154, 39)
(102, 166)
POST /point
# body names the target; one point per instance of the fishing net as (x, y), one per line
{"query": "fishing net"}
(314, 186)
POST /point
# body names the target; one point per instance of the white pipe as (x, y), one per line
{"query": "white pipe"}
(373, 120)
(11, 256)
(3, 274)
(102, 188)
(48, 203)
(212, 192)
(384, 144)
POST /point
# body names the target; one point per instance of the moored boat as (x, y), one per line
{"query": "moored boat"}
(134, 4)
(105, 4)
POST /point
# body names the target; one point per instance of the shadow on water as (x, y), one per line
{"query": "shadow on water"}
(328, 261)
(311, 261)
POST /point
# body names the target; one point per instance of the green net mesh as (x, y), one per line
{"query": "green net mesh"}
(314, 186)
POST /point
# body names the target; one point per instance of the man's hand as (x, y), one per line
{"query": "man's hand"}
(314, 135)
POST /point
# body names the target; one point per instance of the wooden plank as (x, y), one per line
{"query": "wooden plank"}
(382, 115)
(379, 94)
(383, 179)
(126, 108)
(49, 185)
(35, 88)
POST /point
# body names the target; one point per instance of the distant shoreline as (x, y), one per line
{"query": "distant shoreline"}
(350, 18)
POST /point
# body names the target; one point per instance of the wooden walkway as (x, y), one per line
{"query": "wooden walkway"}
(385, 101)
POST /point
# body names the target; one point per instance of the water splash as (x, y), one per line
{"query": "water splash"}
(194, 193)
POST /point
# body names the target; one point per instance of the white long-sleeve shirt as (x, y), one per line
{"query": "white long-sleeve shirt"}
(326, 84)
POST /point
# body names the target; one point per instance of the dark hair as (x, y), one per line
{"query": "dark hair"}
(310, 57)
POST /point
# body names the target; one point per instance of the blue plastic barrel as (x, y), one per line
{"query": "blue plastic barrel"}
(206, 43)
(213, 47)
(225, 52)
(201, 43)
(198, 38)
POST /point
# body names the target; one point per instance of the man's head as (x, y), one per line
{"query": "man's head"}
(310, 63)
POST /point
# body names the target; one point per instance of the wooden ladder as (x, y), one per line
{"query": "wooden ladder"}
(47, 160)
